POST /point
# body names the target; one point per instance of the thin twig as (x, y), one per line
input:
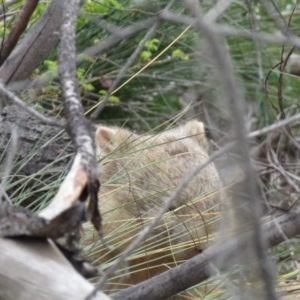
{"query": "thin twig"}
(17, 29)
(7, 4)
(227, 30)
(124, 69)
(279, 124)
(275, 14)
(124, 33)
(16, 100)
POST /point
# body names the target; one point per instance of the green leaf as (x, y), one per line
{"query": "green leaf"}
(114, 99)
(146, 55)
(102, 92)
(50, 64)
(180, 54)
(152, 45)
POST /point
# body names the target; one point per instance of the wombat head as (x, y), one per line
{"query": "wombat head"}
(115, 139)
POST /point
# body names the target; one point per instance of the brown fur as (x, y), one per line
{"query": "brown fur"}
(139, 174)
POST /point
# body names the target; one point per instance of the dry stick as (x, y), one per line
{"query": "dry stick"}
(83, 173)
(275, 15)
(78, 127)
(284, 60)
(104, 24)
(218, 10)
(34, 47)
(211, 16)
(225, 30)
(277, 166)
(124, 33)
(275, 126)
(251, 200)
(16, 100)
(17, 29)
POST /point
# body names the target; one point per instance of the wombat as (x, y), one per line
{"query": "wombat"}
(139, 174)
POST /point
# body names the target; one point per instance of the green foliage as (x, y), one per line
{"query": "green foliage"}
(102, 6)
(81, 75)
(151, 47)
(51, 65)
(111, 99)
(180, 65)
(180, 54)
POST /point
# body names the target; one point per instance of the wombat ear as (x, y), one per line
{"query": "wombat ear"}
(110, 138)
(107, 138)
(196, 130)
(103, 137)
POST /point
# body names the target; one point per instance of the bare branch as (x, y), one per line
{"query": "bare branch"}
(225, 30)
(13, 98)
(254, 23)
(35, 46)
(277, 125)
(83, 176)
(17, 29)
(275, 14)
(124, 33)
(250, 211)
(6, 4)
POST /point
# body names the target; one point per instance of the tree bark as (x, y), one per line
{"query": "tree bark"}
(35, 46)
(17, 29)
(41, 143)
